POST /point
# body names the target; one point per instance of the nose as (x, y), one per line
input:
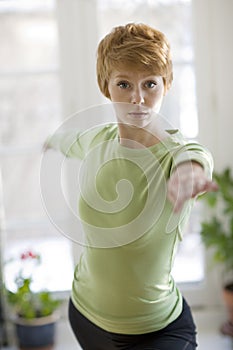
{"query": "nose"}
(137, 97)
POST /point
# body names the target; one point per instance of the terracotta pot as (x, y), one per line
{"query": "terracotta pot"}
(227, 293)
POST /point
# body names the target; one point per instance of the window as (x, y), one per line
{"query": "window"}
(30, 109)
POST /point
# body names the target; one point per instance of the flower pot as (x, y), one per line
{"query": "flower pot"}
(227, 293)
(37, 333)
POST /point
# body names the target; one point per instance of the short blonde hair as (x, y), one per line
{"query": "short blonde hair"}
(137, 44)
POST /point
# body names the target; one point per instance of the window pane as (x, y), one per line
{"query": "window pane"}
(54, 273)
(29, 108)
(189, 263)
(17, 6)
(28, 41)
(21, 187)
(179, 105)
(171, 17)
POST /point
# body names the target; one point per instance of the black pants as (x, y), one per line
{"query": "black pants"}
(178, 335)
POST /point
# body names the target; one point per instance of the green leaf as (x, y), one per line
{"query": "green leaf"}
(217, 232)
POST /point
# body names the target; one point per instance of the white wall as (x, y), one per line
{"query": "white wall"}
(213, 34)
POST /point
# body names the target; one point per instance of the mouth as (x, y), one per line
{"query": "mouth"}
(138, 115)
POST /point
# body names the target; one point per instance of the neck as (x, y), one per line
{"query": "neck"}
(134, 137)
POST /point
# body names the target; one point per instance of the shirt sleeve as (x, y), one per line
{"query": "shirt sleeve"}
(193, 151)
(76, 144)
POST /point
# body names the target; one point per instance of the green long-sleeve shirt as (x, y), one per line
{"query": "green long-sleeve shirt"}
(123, 281)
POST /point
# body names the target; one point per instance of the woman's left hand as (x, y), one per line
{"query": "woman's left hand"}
(187, 181)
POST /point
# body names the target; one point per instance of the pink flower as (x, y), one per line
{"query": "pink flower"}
(29, 255)
(23, 256)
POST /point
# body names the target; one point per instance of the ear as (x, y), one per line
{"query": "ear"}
(165, 87)
(106, 90)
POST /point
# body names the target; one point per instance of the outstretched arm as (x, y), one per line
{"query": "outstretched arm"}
(188, 181)
(66, 142)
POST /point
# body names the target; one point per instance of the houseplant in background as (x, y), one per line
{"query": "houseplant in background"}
(35, 312)
(217, 234)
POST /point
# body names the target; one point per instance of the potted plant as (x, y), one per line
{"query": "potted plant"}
(217, 233)
(35, 313)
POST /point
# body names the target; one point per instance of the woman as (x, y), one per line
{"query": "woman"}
(145, 178)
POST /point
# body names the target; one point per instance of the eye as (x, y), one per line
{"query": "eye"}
(123, 84)
(150, 84)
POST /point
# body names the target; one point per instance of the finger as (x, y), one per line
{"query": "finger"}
(212, 186)
(209, 186)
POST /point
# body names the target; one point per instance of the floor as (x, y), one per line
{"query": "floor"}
(207, 322)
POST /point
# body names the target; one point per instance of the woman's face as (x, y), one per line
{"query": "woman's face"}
(136, 94)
